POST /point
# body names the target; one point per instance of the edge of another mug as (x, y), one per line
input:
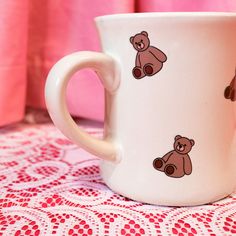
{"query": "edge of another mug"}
(166, 14)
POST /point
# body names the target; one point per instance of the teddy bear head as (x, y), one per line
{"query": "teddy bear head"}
(183, 145)
(140, 41)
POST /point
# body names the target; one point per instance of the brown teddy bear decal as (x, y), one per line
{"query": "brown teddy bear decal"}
(176, 163)
(230, 90)
(149, 59)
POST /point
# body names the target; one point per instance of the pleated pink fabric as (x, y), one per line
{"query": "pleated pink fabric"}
(13, 61)
(63, 27)
(186, 5)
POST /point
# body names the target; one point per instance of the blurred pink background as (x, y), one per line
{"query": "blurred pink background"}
(35, 34)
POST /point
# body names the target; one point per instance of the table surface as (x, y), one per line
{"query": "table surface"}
(50, 186)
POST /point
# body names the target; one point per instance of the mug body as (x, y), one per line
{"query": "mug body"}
(172, 115)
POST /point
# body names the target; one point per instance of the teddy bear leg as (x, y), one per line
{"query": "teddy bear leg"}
(138, 72)
(228, 92)
(158, 164)
(169, 169)
(150, 69)
(233, 95)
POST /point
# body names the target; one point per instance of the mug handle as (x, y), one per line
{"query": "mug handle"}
(55, 97)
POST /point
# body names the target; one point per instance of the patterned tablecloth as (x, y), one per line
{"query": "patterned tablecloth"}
(48, 186)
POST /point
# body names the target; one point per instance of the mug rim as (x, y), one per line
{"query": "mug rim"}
(198, 14)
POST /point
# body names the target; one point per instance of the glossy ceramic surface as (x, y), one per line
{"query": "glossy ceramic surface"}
(169, 125)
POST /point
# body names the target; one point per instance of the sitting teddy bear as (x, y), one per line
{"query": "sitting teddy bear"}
(176, 163)
(149, 59)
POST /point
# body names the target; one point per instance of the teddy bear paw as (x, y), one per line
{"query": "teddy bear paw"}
(229, 93)
(233, 97)
(169, 170)
(138, 73)
(148, 69)
(158, 163)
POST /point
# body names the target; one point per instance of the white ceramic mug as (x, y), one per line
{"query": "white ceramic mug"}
(170, 99)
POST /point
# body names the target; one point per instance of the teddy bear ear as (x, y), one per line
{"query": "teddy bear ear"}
(192, 142)
(177, 137)
(131, 39)
(144, 33)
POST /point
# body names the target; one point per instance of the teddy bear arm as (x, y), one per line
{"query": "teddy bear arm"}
(158, 54)
(187, 165)
(166, 157)
(137, 61)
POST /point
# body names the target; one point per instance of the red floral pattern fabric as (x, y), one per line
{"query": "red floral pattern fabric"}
(49, 186)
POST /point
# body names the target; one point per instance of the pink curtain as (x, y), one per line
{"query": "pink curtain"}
(63, 27)
(35, 34)
(187, 5)
(13, 61)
